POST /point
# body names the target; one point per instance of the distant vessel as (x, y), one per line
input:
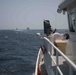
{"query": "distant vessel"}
(64, 62)
(28, 28)
(16, 28)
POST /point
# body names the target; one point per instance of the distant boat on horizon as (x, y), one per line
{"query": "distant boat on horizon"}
(28, 28)
(16, 28)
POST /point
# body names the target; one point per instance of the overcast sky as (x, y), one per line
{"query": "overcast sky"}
(30, 13)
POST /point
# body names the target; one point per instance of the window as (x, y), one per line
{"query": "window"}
(72, 21)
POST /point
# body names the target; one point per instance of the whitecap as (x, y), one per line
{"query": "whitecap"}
(6, 36)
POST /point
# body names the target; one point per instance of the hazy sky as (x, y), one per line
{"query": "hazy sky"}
(30, 13)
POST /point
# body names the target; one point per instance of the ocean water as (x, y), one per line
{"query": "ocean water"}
(18, 51)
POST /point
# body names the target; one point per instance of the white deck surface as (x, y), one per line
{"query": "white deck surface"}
(62, 64)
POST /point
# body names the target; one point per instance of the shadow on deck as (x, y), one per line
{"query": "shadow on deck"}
(64, 68)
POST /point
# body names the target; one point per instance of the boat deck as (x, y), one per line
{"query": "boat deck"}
(62, 64)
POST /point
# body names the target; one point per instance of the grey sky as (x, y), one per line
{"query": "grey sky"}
(30, 13)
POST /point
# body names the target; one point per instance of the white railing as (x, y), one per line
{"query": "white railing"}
(71, 65)
(37, 62)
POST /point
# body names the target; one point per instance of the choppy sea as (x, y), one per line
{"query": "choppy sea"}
(18, 51)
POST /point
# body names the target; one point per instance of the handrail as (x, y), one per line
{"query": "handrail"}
(37, 62)
(63, 55)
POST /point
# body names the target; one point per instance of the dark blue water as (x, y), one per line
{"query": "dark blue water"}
(18, 52)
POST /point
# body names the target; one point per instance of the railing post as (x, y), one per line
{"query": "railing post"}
(70, 70)
(47, 60)
(56, 62)
(50, 48)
